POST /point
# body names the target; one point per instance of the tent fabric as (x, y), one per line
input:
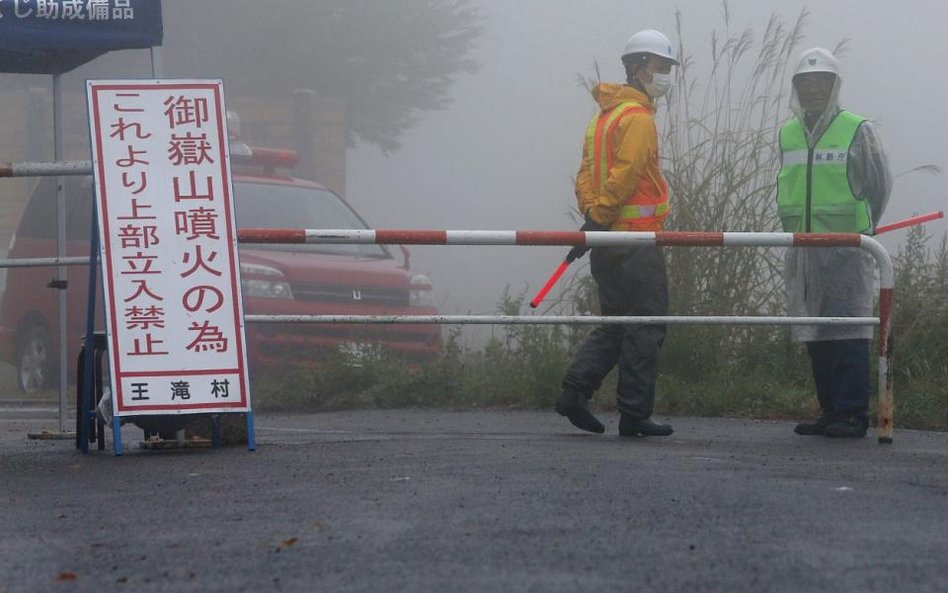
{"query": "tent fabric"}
(55, 36)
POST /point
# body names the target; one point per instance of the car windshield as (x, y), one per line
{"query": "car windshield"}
(262, 205)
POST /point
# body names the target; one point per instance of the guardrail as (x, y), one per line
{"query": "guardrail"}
(43, 169)
(606, 239)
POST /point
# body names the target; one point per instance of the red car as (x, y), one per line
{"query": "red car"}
(275, 279)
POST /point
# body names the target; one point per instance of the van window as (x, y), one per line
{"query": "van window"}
(79, 209)
(39, 217)
(262, 205)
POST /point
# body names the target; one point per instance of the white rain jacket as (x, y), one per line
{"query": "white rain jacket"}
(838, 281)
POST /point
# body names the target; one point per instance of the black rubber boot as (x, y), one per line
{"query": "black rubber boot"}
(574, 407)
(642, 427)
(817, 427)
(853, 427)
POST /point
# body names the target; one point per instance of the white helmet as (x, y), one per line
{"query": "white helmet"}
(651, 42)
(817, 59)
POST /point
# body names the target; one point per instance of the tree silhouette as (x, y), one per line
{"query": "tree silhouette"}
(388, 61)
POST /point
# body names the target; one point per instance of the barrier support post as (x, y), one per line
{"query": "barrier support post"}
(886, 398)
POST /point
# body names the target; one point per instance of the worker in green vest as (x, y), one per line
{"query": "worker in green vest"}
(834, 178)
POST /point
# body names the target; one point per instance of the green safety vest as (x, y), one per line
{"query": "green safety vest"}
(813, 192)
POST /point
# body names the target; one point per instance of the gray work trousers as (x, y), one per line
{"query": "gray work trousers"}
(632, 281)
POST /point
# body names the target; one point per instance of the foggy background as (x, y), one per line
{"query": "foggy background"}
(502, 154)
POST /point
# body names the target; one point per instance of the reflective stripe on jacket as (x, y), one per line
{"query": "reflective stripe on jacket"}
(813, 191)
(620, 182)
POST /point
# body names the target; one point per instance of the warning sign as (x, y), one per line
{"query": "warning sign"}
(168, 246)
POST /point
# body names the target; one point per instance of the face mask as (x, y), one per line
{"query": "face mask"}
(659, 85)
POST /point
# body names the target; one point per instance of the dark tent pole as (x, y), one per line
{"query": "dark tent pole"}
(156, 65)
(61, 273)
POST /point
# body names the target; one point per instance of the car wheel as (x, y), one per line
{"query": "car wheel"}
(34, 363)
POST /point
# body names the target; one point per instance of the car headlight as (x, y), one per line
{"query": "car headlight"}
(421, 293)
(274, 286)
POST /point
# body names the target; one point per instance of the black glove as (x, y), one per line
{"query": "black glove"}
(590, 225)
(576, 253)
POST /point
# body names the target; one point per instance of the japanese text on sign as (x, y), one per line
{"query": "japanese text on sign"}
(168, 246)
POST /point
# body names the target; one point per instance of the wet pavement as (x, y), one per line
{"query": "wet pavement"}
(436, 500)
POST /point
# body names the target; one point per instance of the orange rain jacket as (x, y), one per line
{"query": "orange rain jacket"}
(634, 175)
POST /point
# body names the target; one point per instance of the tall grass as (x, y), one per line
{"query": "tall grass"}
(920, 332)
(721, 159)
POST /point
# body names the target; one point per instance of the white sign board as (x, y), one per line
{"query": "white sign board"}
(168, 246)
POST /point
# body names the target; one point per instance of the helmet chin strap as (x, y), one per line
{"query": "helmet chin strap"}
(633, 81)
(637, 84)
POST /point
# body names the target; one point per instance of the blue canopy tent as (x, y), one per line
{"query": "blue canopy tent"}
(56, 36)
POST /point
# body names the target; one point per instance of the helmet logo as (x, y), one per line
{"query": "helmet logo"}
(811, 61)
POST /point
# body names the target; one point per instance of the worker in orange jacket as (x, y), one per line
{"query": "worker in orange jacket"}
(620, 187)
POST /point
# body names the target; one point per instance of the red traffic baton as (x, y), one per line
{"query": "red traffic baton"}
(901, 224)
(549, 284)
(574, 254)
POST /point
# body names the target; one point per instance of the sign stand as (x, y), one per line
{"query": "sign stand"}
(86, 408)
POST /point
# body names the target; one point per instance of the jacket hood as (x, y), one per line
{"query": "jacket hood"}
(609, 95)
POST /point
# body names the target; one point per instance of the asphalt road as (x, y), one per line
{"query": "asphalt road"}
(476, 501)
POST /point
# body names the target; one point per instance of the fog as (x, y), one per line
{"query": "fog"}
(503, 155)
(503, 152)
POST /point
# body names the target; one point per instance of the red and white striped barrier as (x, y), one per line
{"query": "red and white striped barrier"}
(592, 239)
(609, 239)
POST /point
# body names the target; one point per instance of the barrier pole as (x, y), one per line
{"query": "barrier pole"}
(46, 169)
(61, 274)
(559, 319)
